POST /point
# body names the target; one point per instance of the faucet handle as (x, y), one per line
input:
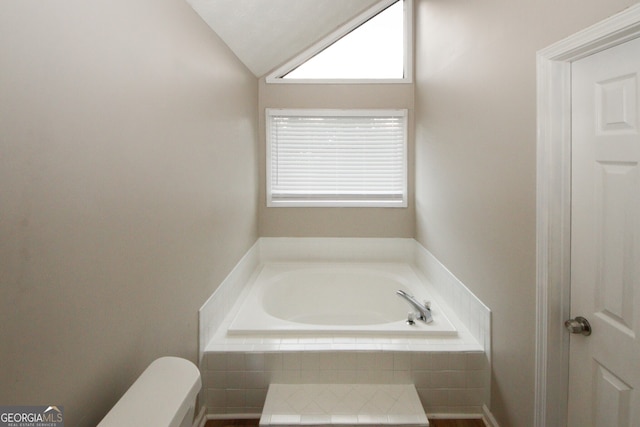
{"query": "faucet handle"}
(427, 304)
(411, 318)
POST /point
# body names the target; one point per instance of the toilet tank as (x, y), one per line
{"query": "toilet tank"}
(163, 396)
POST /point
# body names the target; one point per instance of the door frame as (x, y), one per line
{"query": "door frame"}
(553, 206)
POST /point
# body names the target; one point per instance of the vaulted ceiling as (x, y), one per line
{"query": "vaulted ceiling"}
(266, 33)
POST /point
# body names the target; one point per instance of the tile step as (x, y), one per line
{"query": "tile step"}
(343, 405)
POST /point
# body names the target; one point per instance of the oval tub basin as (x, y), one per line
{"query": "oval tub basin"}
(335, 298)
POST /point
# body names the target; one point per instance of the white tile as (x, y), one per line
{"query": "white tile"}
(347, 403)
(292, 347)
(273, 361)
(448, 379)
(457, 361)
(235, 380)
(328, 361)
(476, 361)
(344, 340)
(440, 361)
(420, 361)
(343, 419)
(365, 361)
(310, 361)
(416, 420)
(256, 398)
(291, 361)
(395, 347)
(317, 347)
(401, 377)
(315, 419)
(469, 397)
(327, 400)
(384, 361)
(347, 361)
(350, 404)
(313, 376)
(313, 409)
(330, 376)
(216, 398)
(441, 379)
(290, 377)
(216, 361)
(254, 361)
(278, 419)
(421, 379)
(323, 339)
(374, 419)
(380, 407)
(382, 377)
(267, 347)
(265, 419)
(348, 377)
(235, 398)
(476, 379)
(370, 347)
(402, 361)
(436, 397)
(256, 380)
(366, 377)
(215, 379)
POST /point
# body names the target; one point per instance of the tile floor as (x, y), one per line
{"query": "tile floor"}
(343, 404)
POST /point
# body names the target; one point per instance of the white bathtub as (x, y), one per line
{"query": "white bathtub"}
(335, 298)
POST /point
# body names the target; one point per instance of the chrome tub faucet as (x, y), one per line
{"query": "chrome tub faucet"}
(423, 310)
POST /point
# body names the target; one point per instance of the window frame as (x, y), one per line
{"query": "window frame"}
(367, 203)
(276, 77)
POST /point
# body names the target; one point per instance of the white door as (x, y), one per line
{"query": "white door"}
(604, 370)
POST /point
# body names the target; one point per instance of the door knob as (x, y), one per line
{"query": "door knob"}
(579, 325)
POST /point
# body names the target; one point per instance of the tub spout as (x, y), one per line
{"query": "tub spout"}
(424, 310)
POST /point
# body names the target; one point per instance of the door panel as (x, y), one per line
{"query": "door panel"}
(614, 194)
(604, 370)
(612, 398)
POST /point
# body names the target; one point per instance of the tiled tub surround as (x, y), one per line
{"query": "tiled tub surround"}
(447, 382)
(451, 374)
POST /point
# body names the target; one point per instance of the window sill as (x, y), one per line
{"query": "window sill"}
(336, 204)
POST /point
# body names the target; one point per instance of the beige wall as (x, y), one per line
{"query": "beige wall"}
(336, 222)
(128, 190)
(476, 160)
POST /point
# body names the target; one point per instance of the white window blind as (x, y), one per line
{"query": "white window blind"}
(336, 158)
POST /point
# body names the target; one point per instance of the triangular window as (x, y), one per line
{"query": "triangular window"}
(373, 47)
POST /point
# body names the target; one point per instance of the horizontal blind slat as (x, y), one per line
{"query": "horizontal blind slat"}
(345, 157)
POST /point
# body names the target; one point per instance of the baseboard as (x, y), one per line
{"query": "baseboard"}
(233, 416)
(454, 416)
(488, 418)
(202, 422)
(201, 419)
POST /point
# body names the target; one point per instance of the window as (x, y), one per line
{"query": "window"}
(373, 47)
(336, 158)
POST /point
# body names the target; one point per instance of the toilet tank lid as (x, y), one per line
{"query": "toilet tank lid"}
(161, 396)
